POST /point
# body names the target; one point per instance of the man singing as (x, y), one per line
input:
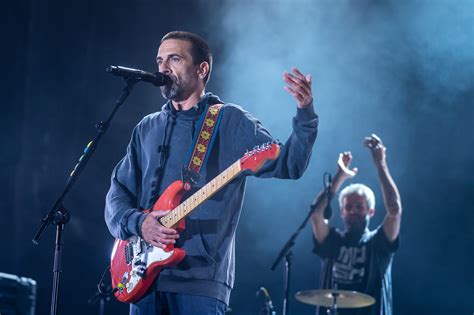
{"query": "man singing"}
(202, 282)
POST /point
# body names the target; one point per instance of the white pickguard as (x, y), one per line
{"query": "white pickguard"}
(143, 256)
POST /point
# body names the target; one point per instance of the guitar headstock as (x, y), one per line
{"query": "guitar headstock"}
(253, 160)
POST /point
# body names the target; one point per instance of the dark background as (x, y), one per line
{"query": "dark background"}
(401, 69)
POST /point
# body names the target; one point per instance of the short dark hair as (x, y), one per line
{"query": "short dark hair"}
(199, 51)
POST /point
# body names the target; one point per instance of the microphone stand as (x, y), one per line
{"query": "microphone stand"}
(102, 295)
(58, 214)
(328, 188)
(286, 250)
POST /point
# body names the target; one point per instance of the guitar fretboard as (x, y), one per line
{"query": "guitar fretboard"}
(175, 215)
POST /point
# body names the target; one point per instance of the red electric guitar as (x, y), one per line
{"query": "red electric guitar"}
(135, 263)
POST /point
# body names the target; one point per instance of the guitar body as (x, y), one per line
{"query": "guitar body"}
(135, 264)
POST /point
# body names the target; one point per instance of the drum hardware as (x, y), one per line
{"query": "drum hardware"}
(335, 299)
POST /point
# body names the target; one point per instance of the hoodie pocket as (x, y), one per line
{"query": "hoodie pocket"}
(198, 262)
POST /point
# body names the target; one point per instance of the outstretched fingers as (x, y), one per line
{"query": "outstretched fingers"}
(299, 85)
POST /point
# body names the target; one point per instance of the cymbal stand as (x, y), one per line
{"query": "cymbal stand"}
(286, 253)
(333, 309)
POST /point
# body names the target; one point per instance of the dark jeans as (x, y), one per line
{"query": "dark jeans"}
(167, 303)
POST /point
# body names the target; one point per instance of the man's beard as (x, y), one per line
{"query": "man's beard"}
(356, 224)
(178, 90)
(171, 91)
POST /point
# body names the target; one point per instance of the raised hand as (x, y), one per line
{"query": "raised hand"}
(376, 147)
(344, 163)
(299, 85)
(156, 234)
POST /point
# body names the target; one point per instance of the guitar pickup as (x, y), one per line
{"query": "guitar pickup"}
(128, 253)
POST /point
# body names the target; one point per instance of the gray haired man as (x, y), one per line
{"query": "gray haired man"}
(357, 258)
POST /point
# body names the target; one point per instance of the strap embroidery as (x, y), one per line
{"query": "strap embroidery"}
(202, 144)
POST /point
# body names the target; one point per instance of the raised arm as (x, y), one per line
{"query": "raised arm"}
(391, 196)
(321, 225)
(295, 152)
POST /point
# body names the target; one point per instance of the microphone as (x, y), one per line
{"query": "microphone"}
(328, 209)
(157, 78)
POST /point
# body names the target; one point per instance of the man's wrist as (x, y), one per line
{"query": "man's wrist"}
(340, 176)
(306, 113)
(140, 221)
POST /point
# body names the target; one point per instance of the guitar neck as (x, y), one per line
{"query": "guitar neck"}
(196, 199)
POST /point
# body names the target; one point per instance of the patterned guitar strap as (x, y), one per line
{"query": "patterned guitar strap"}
(202, 144)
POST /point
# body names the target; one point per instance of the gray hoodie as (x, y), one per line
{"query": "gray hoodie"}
(209, 237)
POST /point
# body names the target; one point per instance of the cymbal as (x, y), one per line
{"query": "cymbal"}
(345, 299)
